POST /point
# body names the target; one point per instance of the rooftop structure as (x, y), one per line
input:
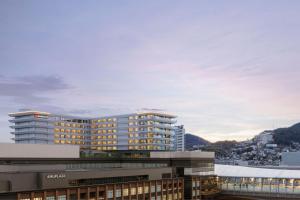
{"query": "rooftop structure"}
(8, 150)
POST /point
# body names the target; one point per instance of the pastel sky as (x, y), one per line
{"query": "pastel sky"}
(227, 69)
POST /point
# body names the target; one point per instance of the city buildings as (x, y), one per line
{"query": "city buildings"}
(161, 176)
(136, 131)
(179, 138)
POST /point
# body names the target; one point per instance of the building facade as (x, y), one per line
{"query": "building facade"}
(136, 131)
(179, 138)
(157, 177)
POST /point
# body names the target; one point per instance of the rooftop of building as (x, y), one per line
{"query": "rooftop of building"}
(255, 172)
(23, 112)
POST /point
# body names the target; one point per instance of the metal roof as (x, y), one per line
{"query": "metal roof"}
(254, 172)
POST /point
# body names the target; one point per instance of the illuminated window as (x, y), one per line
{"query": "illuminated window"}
(146, 189)
(125, 192)
(140, 190)
(133, 191)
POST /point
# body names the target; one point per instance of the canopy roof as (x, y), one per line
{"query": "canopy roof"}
(254, 172)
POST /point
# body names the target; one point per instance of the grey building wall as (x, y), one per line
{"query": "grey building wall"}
(8, 150)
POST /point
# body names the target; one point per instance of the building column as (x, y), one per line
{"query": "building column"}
(88, 193)
(97, 192)
(45, 195)
(68, 194)
(105, 192)
(78, 193)
(115, 191)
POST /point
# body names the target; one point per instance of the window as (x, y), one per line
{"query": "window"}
(194, 184)
(133, 191)
(50, 198)
(118, 193)
(62, 197)
(110, 194)
(140, 190)
(152, 188)
(146, 189)
(125, 192)
(158, 188)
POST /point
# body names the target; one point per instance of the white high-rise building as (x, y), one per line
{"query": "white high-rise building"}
(136, 131)
(179, 138)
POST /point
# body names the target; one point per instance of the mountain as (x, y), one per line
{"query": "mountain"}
(285, 136)
(191, 140)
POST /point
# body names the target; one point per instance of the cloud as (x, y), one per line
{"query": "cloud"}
(28, 90)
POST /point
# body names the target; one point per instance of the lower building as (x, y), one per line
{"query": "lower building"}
(161, 176)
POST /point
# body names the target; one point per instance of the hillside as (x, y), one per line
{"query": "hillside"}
(191, 140)
(285, 136)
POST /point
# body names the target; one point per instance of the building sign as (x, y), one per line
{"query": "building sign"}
(55, 176)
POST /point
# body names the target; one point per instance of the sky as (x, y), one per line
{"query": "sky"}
(227, 69)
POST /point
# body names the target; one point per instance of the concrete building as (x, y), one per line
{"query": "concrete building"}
(9, 150)
(169, 176)
(179, 138)
(136, 131)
